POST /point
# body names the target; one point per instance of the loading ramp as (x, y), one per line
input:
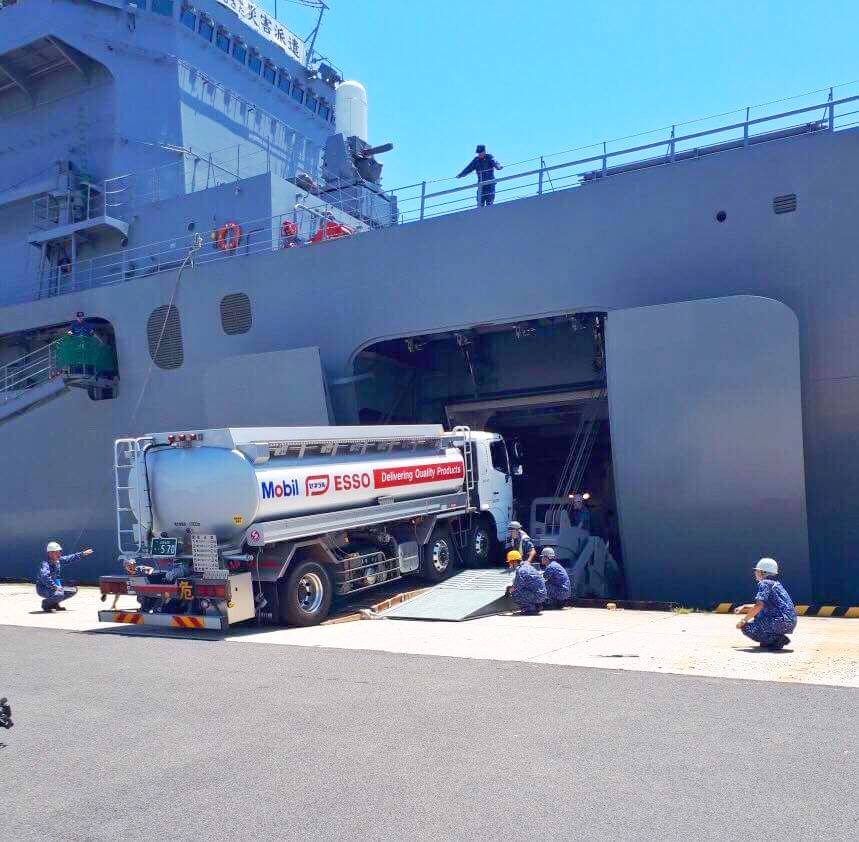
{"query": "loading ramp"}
(466, 596)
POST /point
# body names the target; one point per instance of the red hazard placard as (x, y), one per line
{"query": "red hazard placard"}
(413, 474)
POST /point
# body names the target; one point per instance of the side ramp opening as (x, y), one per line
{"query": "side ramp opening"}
(466, 596)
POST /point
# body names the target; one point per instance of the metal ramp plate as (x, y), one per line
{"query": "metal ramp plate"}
(466, 596)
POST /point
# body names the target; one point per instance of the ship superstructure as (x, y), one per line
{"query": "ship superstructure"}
(673, 335)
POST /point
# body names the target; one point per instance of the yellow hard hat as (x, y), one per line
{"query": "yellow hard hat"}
(514, 555)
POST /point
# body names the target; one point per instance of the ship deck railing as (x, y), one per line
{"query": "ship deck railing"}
(427, 199)
(817, 111)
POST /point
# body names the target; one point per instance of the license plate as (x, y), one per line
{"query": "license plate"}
(165, 547)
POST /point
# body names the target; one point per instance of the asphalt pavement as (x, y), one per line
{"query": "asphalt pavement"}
(124, 737)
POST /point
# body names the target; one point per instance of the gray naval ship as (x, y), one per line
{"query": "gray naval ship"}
(668, 326)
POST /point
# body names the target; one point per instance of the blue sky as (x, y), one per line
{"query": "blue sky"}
(538, 76)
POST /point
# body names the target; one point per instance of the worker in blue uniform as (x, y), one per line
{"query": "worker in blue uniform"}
(581, 514)
(81, 326)
(557, 579)
(484, 165)
(49, 585)
(528, 590)
(772, 616)
(518, 539)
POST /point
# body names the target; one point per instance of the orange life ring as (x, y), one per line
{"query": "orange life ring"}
(288, 229)
(228, 236)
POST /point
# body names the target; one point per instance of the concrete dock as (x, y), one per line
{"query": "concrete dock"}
(824, 650)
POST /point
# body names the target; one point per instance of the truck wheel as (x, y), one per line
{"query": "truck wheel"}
(305, 596)
(481, 543)
(437, 556)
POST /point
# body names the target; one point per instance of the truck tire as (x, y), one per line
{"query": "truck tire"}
(482, 543)
(305, 595)
(437, 556)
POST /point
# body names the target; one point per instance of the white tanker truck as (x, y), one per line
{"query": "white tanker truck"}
(220, 526)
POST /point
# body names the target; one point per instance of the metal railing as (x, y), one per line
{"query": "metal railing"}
(258, 236)
(50, 210)
(427, 199)
(198, 171)
(24, 373)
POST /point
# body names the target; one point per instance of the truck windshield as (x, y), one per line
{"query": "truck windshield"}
(499, 456)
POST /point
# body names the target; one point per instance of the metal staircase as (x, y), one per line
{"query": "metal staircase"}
(30, 380)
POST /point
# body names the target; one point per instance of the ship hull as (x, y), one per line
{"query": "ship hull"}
(635, 240)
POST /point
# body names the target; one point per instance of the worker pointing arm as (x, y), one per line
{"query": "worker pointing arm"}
(49, 584)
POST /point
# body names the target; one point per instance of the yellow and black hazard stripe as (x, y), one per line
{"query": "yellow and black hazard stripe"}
(127, 617)
(181, 622)
(814, 610)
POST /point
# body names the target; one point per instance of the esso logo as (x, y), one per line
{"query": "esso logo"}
(352, 482)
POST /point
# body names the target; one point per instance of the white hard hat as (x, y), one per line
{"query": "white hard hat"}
(514, 524)
(547, 552)
(53, 547)
(767, 565)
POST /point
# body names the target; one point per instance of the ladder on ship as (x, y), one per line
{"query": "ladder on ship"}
(578, 458)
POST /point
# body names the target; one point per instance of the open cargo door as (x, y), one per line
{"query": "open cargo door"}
(706, 431)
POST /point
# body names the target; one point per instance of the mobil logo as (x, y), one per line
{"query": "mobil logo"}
(316, 485)
(284, 488)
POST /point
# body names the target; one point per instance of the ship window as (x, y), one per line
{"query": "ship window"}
(324, 111)
(784, 204)
(268, 73)
(189, 18)
(236, 313)
(206, 28)
(163, 7)
(223, 40)
(164, 334)
(283, 81)
(298, 93)
(310, 101)
(240, 51)
(254, 62)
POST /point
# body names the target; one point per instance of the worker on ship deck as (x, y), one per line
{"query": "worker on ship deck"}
(520, 541)
(557, 579)
(772, 616)
(49, 584)
(484, 165)
(81, 326)
(528, 589)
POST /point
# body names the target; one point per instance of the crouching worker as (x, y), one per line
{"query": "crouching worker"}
(556, 578)
(773, 616)
(528, 590)
(49, 585)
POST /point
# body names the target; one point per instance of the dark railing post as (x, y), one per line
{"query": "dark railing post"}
(423, 198)
(540, 177)
(831, 112)
(604, 159)
(746, 128)
(671, 145)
